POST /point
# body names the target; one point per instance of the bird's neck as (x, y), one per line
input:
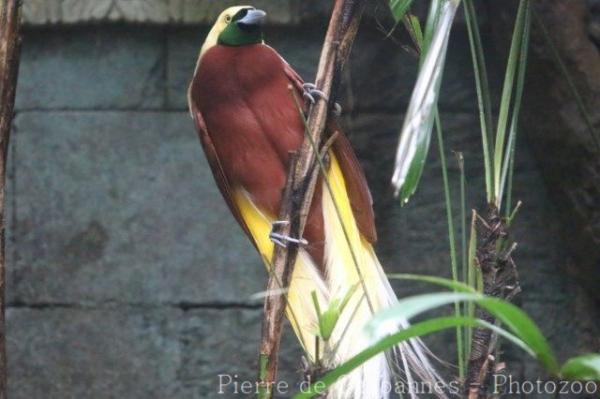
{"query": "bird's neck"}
(236, 36)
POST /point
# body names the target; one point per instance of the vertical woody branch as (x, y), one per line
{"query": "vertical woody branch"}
(302, 178)
(500, 280)
(10, 46)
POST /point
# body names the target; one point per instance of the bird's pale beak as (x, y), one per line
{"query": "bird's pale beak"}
(253, 18)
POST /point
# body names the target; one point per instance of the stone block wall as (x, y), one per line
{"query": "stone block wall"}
(128, 278)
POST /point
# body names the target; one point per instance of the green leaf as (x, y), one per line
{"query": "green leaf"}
(399, 8)
(514, 318)
(416, 131)
(452, 285)
(417, 330)
(328, 319)
(452, 242)
(415, 30)
(483, 93)
(415, 171)
(586, 368)
(472, 269)
(433, 19)
(444, 282)
(507, 91)
(509, 157)
(463, 216)
(473, 277)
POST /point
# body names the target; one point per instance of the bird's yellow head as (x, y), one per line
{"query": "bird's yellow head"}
(236, 26)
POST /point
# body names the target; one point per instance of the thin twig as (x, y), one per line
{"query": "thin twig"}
(10, 46)
(301, 183)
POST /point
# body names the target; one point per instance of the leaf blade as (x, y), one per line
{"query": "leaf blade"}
(586, 367)
(483, 92)
(443, 282)
(399, 8)
(513, 317)
(416, 131)
(509, 158)
(506, 99)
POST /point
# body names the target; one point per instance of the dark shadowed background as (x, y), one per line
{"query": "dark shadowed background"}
(127, 276)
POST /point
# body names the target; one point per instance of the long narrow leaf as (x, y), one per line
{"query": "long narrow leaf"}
(451, 239)
(472, 278)
(443, 282)
(483, 93)
(418, 124)
(399, 8)
(514, 318)
(432, 22)
(412, 24)
(463, 247)
(586, 367)
(463, 217)
(509, 158)
(507, 91)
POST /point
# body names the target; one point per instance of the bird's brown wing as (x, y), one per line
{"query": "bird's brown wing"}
(356, 183)
(361, 200)
(295, 79)
(217, 169)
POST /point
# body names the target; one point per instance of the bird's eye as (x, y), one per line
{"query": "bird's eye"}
(228, 18)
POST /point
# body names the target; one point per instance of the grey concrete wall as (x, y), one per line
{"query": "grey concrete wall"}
(128, 278)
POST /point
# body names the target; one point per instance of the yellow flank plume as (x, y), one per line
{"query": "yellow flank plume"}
(350, 257)
(342, 273)
(305, 278)
(258, 222)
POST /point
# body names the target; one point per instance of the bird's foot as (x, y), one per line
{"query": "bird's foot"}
(283, 240)
(312, 93)
(337, 109)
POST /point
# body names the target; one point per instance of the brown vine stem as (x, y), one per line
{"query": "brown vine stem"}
(10, 47)
(301, 183)
(500, 280)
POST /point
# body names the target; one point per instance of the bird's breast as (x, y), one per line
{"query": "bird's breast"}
(244, 96)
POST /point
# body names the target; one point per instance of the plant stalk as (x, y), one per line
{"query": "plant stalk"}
(10, 48)
(452, 241)
(500, 280)
(302, 179)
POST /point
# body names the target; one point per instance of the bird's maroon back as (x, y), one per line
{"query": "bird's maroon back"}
(244, 96)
